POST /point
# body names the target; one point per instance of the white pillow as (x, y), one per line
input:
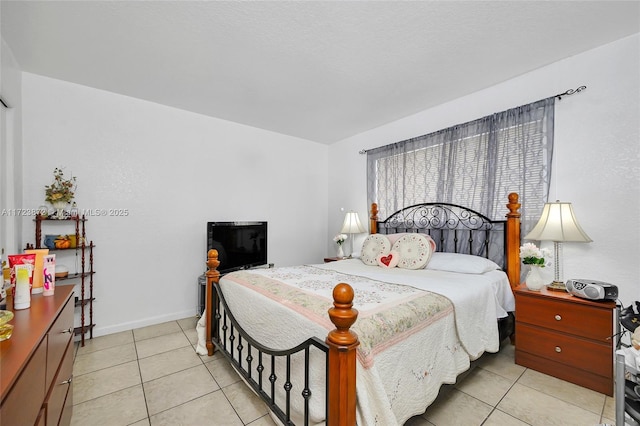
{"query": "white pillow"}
(373, 246)
(463, 263)
(414, 250)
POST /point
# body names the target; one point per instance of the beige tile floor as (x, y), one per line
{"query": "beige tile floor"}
(152, 376)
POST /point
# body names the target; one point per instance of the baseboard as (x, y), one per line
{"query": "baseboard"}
(117, 328)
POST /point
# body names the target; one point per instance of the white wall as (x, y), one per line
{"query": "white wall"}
(174, 171)
(596, 159)
(10, 150)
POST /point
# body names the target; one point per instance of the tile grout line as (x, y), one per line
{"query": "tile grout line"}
(495, 407)
(144, 395)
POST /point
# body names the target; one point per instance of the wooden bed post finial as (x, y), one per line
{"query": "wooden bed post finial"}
(213, 275)
(513, 240)
(342, 344)
(373, 219)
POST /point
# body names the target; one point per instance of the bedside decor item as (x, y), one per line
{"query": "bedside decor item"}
(534, 279)
(5, 329)
(61, 192)
(61, 271)
(22, 290)
(558, 223)
(49, 273)
(532, 256)
(38, 274)
(16, 260)
(74, 210)
(352, 225)
(339, 240)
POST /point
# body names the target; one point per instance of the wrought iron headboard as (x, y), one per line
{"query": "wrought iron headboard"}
(454, 228)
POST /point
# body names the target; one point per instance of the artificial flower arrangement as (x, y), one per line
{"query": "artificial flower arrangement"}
(61, 189)
(532, 255)
(340, 238)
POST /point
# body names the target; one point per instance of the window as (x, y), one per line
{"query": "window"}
(476, 164)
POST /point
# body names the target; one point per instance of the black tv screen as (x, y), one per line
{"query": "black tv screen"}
(240, 245)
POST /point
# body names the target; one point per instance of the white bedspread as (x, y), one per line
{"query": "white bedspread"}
(476, 327)
(395, 380)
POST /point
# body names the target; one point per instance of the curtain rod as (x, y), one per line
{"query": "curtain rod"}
(559, 96)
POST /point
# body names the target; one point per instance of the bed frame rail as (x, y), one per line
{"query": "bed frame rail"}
(341, 343)
(241, 350)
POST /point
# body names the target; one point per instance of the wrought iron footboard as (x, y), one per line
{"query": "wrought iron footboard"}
(230, 339)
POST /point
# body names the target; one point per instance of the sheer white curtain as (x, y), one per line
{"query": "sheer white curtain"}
(475, 164)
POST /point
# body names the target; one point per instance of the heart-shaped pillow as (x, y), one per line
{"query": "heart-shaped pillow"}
(389, 260)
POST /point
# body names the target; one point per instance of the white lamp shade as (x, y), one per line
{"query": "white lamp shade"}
(352, 224)
(558, 223)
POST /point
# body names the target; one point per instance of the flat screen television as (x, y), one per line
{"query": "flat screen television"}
(240, 245)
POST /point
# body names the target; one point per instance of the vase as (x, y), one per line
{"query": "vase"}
(535, 280)
(60, 207)
(340, 253)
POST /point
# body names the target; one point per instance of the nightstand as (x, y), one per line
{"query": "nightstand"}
(333, 259)
(566, 337)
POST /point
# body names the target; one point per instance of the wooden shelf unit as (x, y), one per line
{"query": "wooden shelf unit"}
(84, 275)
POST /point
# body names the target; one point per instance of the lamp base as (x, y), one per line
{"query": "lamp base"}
(557, 286)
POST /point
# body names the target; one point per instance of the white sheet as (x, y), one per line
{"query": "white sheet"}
(405, 378)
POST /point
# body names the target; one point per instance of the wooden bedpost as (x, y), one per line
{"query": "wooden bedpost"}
(513, 240)
(373, 219)
(342, 358)
(212, 277)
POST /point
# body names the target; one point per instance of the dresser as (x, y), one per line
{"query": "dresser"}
(566, 337)
(36, 363)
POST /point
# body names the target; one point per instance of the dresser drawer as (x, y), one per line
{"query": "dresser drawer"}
(572, 318)
(24, 400)
(60, 334)
(55, 401)
(572, 351)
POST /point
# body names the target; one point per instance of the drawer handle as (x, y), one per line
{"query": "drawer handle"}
(68, 330)
(558, 349)
(558, 317)
(69, 380)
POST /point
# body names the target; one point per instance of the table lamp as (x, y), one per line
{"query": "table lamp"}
(558, 223)
(352, 226)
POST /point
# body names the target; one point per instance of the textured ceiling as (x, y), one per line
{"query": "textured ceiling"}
(322, 71)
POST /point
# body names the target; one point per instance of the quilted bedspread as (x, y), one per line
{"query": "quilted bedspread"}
(412, 340)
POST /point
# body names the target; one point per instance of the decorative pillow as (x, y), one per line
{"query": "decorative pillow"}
(414, 249)
(389, 260)
(463, 263)
(395, 237)
(373, 246)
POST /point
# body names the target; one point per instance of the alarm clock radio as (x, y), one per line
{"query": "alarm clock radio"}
(592, 289)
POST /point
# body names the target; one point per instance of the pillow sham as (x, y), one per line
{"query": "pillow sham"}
(462, 263)
(373, 246)
(395, 237)
(415, 251)
(389, 260)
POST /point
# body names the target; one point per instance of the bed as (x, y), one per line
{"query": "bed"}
(358, 342)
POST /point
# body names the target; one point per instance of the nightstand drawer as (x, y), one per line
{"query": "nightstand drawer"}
(572, 318)
(572, 351)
